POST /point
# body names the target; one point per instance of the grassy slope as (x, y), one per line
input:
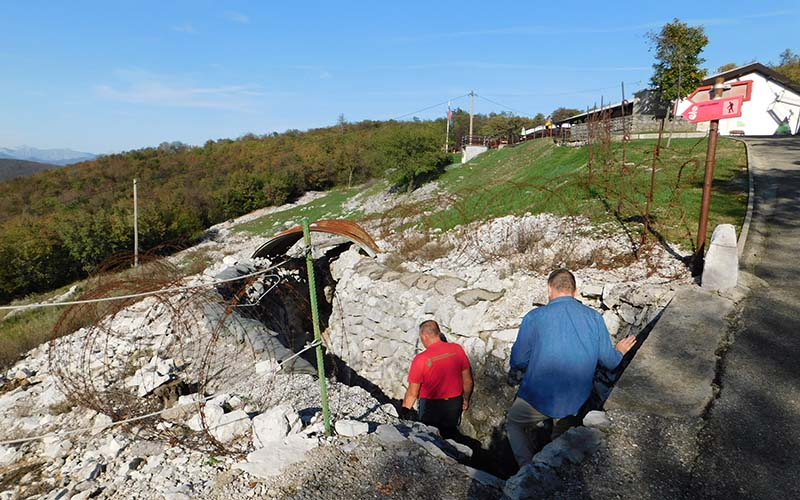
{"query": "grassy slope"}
(539, 177)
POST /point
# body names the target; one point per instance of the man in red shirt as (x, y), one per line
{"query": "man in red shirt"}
(441, 378)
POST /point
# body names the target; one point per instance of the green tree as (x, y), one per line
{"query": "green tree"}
(789, 65)
(560, 114)
(416, 155)
(726, 67)
(677, 48)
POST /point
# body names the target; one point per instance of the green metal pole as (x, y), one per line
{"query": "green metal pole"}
(312, 291)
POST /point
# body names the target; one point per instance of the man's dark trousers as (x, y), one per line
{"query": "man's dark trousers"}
(444, 414)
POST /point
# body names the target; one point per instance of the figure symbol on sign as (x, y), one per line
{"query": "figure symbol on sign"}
(730, 107)
(693, 113)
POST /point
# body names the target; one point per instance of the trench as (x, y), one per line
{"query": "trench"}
(287, 311)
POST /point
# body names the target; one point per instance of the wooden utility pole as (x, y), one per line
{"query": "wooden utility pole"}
(711, 153)
(135, 226)
(471, 111)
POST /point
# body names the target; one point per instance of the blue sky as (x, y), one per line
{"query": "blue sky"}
(111, 76)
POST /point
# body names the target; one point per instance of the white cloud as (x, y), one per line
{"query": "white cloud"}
(141, 87)
(186, 27)
(237, 17)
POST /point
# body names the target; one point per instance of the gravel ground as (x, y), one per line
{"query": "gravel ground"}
(363, 467)
(642, 457)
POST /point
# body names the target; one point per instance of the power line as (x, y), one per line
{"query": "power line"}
(429, 107)
(503, 106)
(577, 92)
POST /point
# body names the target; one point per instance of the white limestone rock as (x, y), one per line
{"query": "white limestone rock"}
(389, 435)
(231, 426)
(597, 419)
(8, 455)
(351, 428)
(212, 413)
(612, 322)
(89, 472)
(274, 425)
(273, 460)
(51, 395)
(54, 447)
(100, 423)
(113, 447)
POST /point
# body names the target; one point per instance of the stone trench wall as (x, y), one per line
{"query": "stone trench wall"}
(376, 313)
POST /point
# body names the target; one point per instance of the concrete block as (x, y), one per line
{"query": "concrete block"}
(673, 371)
(721, 269)
(470, 152)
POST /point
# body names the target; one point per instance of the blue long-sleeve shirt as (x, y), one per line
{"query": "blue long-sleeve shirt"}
(559, 346)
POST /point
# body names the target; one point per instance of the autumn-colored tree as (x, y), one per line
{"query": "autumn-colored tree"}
(560, 114)
(789, 65)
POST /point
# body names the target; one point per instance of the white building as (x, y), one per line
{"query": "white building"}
(771, 107)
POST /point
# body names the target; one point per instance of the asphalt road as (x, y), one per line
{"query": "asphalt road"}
(750, 447)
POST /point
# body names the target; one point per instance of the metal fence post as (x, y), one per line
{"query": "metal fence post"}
(312, 291)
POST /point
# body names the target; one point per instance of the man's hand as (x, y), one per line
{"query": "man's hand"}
(465, 405)
(408, 414)
(514, 377)
(625, 344)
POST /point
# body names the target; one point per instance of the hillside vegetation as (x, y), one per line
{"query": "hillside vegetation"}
(539, 176)
(535, 177)
(59, 225)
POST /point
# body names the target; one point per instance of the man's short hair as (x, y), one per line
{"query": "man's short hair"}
(430, 327)
(562, 280)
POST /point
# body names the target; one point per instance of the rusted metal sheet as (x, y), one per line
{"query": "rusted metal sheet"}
(284, 240)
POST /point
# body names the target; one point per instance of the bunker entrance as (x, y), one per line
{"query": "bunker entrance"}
(286, 311)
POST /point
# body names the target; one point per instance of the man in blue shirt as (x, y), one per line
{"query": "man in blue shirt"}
(558, 347)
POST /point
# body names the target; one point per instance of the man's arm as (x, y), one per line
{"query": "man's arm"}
(412, 394)
(466, 379)
(611, 356)
(521, 350)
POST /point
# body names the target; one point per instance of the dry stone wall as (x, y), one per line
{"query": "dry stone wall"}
(376, 312)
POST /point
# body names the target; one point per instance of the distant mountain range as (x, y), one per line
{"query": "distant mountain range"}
(51, 156)
(10, 168)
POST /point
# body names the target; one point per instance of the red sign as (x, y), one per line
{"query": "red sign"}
(732, 89)
(718, 109)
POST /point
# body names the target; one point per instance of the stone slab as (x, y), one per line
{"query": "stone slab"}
(672, 372)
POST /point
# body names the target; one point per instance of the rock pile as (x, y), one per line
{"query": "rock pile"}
(217, 373)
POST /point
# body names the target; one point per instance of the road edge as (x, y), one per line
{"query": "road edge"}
(748, 218)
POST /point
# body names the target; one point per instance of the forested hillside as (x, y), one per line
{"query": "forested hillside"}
(11, 168)
(58, 225)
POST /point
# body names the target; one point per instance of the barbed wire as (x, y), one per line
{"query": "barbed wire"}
(138, 295)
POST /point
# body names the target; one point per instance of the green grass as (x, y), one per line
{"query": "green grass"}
(540, 177)
(325, 207)
(25, 330)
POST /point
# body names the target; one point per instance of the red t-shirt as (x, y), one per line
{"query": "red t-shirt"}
(438, 371)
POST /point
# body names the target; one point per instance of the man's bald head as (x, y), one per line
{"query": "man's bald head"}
(429, 332)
